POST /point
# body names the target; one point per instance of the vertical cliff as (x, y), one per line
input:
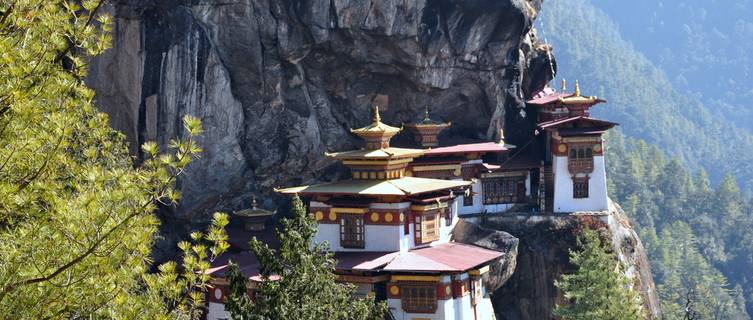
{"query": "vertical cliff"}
(278, 83)
(543, 244)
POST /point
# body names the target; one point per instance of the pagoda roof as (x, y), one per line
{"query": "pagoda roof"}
(444, 257)
(427, 122)
(591, 122)
(254, 211)
(397, 187)
(376, 127)
(384, 153)
(549, 96)
(468, 148)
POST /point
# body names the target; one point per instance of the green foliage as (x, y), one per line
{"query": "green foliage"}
(76, 214)
(697, 237)
(598, 290)
(298, 281)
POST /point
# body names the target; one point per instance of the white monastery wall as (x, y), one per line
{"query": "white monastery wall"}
(376, 237)
(216, 311)
(563, 188)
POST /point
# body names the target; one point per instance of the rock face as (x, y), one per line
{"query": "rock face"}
(543, 256)
(501, 271)
(278, 83)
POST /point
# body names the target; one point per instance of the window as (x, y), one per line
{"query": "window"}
(581, 159)
(351, 231)
(419, 298)
(468, 198)
(580, 188)
(430, 226)
(504, 190)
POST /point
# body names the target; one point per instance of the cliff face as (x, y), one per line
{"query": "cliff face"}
(278, 83)
(543, 257)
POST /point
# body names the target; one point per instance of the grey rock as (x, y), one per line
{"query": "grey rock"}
(278, 83)
(500, 271)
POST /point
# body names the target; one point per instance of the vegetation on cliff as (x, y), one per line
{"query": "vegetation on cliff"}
(599, 288)
(298, 280)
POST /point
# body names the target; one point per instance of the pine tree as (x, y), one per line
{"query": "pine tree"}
(298, 280)
(77, 220)
(598, 290)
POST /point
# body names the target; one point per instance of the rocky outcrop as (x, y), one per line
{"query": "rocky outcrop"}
(278, 83)
(500, 271)
(543, 256)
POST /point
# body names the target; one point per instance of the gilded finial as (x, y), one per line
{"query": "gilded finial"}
(501, 137)
(426, 113)
(577, 89)
(377, 118)
(253, 202)
(564, 85)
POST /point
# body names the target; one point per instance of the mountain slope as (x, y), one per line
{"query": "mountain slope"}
(588, 46)
(703, 46)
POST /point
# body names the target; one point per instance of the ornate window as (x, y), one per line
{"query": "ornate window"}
(430, 226)
(427, 227)
(351, 231)
(504, 190)
(580, 188)
(419, 297)
(581, 159)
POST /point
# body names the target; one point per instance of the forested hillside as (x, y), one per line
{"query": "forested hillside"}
(588, 46)
(676, 169)
(697, 233)
(703, 47)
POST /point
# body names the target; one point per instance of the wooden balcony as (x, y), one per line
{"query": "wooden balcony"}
(580, 165)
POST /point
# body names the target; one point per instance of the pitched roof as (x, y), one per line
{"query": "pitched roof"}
(444, 257)
(468, 148)
(376, 126)
(400, 187)
(384, 153)
(590, 121)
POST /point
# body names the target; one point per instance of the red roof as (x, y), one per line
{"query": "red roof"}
(467, 148)
(445, 257)
(547, 99)
(590, 121)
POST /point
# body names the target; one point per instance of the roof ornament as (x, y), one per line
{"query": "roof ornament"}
(377, 118)
(577, 88)
(564, 85)
(426, 114)
(501, 138)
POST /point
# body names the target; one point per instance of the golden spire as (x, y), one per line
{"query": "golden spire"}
(577, 89)
(564, 85)
(426, 114)
(377, 118)
(253, 202)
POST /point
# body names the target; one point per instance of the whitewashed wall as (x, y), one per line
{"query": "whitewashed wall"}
(216, 311)
(563, 188)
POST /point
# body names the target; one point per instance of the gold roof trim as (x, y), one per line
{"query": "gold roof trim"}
(576, 98)
(376, 127)
(254, 211)
(398, 187)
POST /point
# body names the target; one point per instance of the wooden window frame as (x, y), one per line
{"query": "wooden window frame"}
(502, 190)
(580, 188)
(352, 231)
(580, 158)
(412, 300)
(431, 227)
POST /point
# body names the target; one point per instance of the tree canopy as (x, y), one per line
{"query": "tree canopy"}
(598, 289)
(298, 280)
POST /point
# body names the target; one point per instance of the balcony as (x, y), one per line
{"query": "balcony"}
(580, 165)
